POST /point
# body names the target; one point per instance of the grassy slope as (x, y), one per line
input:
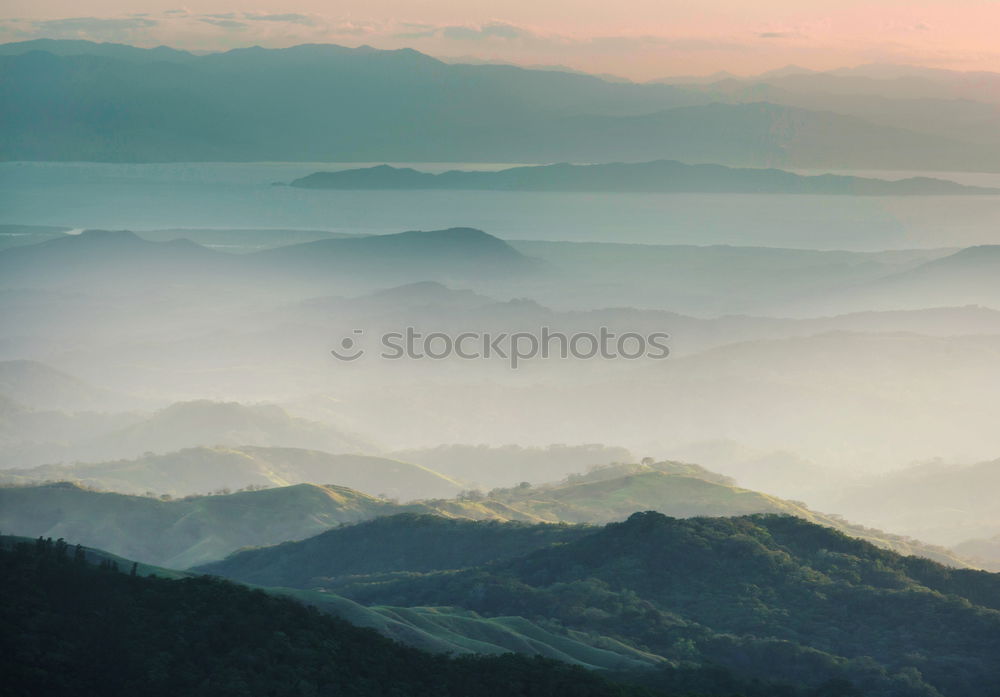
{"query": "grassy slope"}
(181, 533)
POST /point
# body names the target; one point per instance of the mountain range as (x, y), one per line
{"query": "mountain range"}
(108, 259)
(336, 104)
(663, 176)
(197, 529)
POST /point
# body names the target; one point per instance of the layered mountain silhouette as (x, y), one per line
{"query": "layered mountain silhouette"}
(439, 253)
(118, 259)
(938, 501)
(107, 258)
(338, 104)
(207, 528)
(36, 385)
(664, 176)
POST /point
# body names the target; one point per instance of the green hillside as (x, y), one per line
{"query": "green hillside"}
(405, 542)
(677, 489)
(769, 597)
(451, 630)
(182, 532)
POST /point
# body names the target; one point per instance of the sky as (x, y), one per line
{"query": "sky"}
(638, 39)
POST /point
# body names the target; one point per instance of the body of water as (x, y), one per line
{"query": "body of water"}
(243, 195)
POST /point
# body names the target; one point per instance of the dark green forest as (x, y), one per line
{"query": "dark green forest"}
(765, 597)
(71, 628)
(404, 542)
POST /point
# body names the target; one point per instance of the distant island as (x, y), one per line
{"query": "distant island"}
(660, 176)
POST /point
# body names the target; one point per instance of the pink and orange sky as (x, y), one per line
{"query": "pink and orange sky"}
(639, 39)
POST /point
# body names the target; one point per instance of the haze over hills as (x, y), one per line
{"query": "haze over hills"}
(984, 551)
(207, 528)
(661, 176)
(38, 386)
(96, 259)
(183, 532)
(101, 257)
(961, 105)
(944, 504)
(462, 252)
(202, 469)
(640, 389)
(189, 424)
(488, 467)
(340, 104)
(45, 437)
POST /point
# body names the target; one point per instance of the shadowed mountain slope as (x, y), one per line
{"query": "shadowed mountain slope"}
(771, 597)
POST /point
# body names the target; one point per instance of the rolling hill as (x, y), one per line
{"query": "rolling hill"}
(119, 261)
(38, 386)
(200, 529)
(105, 258)
(416, 255)
(204, 422)
(403, 542)
(206, 636)
(205, 469)
(768, 597)
(182, 532)
(489, 467)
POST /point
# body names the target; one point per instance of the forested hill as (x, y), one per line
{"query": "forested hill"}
(769, 597)
(71, 629)
(404, 542)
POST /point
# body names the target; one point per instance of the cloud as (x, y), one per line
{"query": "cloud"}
(780, 35)
(504, 31)
(94, 24)
(490, 30)
(288, 18)
(224, 23)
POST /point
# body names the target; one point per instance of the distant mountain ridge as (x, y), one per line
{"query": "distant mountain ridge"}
(661, 176)
(334, 104)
